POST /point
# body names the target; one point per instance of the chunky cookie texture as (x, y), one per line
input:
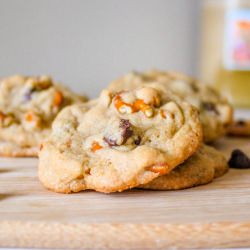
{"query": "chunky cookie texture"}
(28, 105)
(201, 168)
(215, 111)
(119, 141)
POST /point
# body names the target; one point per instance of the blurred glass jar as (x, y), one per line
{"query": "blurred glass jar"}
(225, 48)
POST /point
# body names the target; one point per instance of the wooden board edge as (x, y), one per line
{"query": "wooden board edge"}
(124, 236)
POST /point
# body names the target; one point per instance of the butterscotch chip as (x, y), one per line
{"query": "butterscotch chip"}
(28, 106)
(113, 151)
(215, 111)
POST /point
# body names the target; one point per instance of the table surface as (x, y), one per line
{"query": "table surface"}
(213, 215)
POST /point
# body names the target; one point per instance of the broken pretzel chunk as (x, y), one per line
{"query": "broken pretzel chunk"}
(140, 105)
(158, 169)
(58, 98)
(95, 146)
(136, 106)
(123, 107)
(32, 120)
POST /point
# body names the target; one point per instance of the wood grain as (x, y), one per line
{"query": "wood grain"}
(214, 215)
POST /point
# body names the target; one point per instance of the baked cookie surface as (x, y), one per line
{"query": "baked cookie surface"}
(201, 168)
(215, 111)
(119, 141)
(28, 105)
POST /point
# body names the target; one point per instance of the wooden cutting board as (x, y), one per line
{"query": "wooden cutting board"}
(215, 215)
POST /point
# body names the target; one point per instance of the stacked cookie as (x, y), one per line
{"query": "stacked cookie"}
(145, 130)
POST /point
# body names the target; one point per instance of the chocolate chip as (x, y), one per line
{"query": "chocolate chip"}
(118, 133)
(239, 160)
(137, 141)
(127, 131)
(27, 96)
(125, 124)
(209, 106)
(127, 134)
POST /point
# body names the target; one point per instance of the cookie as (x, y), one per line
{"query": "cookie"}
(119, 141)
(10, 149)
(28, 106)
(218, 160)
(201, 168)
(215, 111)
(240, 128)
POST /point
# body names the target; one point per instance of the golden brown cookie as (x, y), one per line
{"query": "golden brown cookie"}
(201, 168)
(28, 106)
(215, 111)
(119, 141)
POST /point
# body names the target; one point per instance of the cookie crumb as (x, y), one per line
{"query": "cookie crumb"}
(239, 160)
